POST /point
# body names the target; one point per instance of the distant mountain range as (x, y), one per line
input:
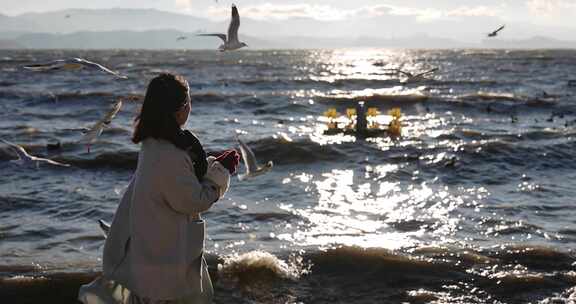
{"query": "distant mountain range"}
(154, 29)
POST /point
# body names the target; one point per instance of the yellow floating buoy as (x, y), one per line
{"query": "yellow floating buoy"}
(395, 113)
(395, 126)
(350, 112)
(372, 112)
(331, 113)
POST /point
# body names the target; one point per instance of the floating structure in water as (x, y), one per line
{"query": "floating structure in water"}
(362, 122)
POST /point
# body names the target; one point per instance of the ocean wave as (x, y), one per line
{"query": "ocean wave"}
(355, 261)
(285, 109)
(499, 98)
(208, 97)
(534, 257)
(352, 82)
(548, 155)
(283, 152)
(278, 150)
(531, 135)
(391, 100)
(503, 227)
(81, 96)
(7, 83)
(258, 267)
(412, 225)
(353, 274)
(33, 98)
(8, 95)
(473, 83)
(117, 160)
(315, 82)
(216, 97)
(269, 216)
(491, 96)
(15, 204)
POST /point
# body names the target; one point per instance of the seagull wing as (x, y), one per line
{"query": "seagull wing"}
(248, 157)
(95, 131)
(91, 134)
(98, 66)
(234, 25)
(22, 154)
(221, 36)
(104, 226)
(495, 33)
(52, 162)
(112, 113)
(53, 65)
(499, 29)
(407, 74)
(425, 73)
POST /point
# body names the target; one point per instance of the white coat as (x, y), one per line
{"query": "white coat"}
(156, 241)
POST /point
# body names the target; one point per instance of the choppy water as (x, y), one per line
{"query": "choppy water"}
(473, 204)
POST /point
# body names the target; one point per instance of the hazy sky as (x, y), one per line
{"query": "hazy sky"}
(551, 13)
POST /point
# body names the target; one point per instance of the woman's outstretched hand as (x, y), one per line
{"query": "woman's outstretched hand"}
(230, 160)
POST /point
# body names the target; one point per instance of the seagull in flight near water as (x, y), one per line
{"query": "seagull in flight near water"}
(415, 77)
(250, 162)
(231, 41)
(71, 64)
(495, 33)
(28, 160)
(92, 134)
(105, 227)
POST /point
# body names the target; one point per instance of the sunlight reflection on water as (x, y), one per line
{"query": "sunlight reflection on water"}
(367, 211)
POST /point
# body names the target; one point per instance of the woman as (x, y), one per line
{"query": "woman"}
(154, 250)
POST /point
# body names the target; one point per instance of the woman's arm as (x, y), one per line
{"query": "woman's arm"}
(183, 191)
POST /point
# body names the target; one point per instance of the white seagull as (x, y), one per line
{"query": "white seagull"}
(90, 135)
(250, 162)
(28, 160)
(71, 64)
(415, 77)
(105, 227)
(495, 33)
(231, 41)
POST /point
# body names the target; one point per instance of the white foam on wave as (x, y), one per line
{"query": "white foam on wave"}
(262, 262)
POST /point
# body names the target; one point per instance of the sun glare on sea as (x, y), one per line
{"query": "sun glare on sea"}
(376, 203)
(367, 208)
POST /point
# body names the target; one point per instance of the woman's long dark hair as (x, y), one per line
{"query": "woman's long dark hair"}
(166, 94)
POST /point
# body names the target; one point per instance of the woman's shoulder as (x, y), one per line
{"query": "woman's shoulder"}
(162, 147)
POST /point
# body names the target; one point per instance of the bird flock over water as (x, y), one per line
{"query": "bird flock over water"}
(91, 134)
(230, 42)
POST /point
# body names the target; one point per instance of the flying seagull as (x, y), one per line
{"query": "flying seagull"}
(28, 160)
(71, 64)
(495, 33)
(90, 135)
(181, 38)
(250, 162)
(105, 227)
(415, 77)
(231, 41)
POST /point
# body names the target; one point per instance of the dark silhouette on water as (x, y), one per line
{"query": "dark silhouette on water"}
(495, 33)
(54, 146)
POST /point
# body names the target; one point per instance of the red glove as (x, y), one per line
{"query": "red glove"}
(229, 159)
